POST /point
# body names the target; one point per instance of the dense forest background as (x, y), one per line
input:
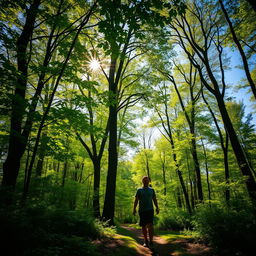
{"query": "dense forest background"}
(97, 94)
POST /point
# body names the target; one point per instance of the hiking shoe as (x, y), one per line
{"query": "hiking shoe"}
(145, 243)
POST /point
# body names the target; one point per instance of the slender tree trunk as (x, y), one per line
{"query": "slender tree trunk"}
(179, 203)
(147, 166)
(224, 146)
(41, 155)
(17, 144)
(197, 170)
(181, 179)
(164, 172)
(81, 173)
(168, 130)
(191, 124)
(26, 167)
(64, 175)
(57, 174)
(207, 172)
(39, 167)
(240, 48)
(227, 190)
(96, 188)
(190, 183)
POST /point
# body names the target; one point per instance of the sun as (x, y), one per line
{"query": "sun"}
(94, 64)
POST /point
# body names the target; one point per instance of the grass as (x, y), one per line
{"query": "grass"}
(171, 235)
(129, 247)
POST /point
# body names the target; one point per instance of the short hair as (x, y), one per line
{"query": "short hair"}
(144, 177)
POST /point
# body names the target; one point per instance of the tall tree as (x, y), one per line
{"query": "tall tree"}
(80, 27)
(201, 44)
(57, 33)
(190, 79)
(240, 48)
(16, 141)
(122, 27)
(224, 142)
(168, 134)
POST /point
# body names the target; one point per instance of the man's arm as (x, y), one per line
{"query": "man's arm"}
(135, 204)
(156, 204)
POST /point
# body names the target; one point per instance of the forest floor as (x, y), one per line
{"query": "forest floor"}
(128, 242)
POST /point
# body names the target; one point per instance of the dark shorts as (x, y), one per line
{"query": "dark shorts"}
(146, 217)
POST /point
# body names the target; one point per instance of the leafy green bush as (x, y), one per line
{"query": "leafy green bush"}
(230, 230)
(176, 219)
(39, 231)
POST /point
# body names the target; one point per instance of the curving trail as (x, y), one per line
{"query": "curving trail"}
(129, 240)
(162, 247)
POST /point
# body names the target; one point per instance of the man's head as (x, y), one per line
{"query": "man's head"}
(145, 181)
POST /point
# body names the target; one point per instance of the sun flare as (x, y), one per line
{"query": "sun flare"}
(94, 65)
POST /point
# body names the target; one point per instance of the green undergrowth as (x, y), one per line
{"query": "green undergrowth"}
(229, 230)
(42, 231)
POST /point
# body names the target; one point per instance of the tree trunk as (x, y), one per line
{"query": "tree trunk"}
(207, 172)
(224, 147)
(191, 124)
(179, 203)
(64, 175)
(109, 202)
(164, 171)
(17, 144)
(96, 188)
(181, 178)
(197, 170)
(42, 152)
(190, 183)
(238, 151)
(147, 166)
(227, 190)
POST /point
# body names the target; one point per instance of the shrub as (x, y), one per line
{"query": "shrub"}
(230, 230)
(176, 219)
(39, 231)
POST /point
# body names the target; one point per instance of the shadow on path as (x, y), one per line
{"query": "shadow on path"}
(177, 246)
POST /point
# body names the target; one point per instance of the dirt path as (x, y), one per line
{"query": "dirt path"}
(128, 242)
(165, 247)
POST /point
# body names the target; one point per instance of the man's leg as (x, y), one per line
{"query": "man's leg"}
(145, 234)
(150, 232)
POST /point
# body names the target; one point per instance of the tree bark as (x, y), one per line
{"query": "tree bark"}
(164, 171)
(17, 143)
(207, 172)
(96, 187)
(109, 202)
(64, 175)
(237, 148)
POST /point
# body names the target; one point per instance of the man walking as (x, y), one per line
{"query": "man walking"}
(146, 196)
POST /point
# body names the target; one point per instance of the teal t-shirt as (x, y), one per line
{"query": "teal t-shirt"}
(145, 196)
